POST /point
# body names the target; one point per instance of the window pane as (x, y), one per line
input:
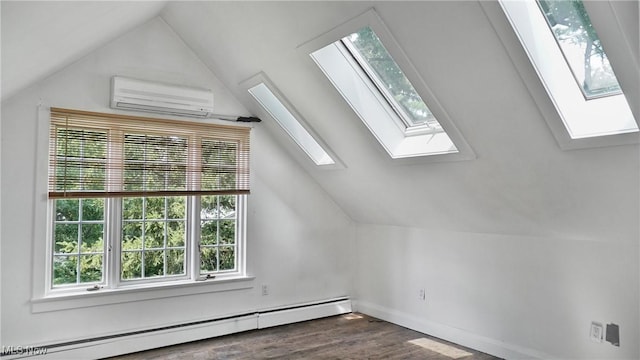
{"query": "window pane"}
(155, 162)
(176, 207)
(209, 207)
(93, 175)
(390, 76)
(154, 208)
(91, 268)
(218, 164)
(80, 159)
(175, 262)
(227, 231)
(159, 236)
(154, 234)
(66, 238)
(65, 270)
(132, 208)
(67, 210)
(132, 236)
(209, 233)
(208, 259)
(227, 258)
(92, 209)
(92, 238)
(581, 46)
(227, 206)
(133, 177)
(218, 228)
(153, 263)
(131, 265)
(176, 233)
(79, 233)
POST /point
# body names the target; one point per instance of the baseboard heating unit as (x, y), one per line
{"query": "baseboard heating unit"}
(134, 341)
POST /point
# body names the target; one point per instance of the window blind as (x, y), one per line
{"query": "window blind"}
(106, 155)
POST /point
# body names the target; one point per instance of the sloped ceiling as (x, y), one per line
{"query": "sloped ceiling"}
(41, 37)
(520, 182)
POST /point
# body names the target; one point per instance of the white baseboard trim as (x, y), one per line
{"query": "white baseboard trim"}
(458, 336)
(309, 312)
(173, 335)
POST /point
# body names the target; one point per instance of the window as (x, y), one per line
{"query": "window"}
(581, 47)
(371, 72)
(367, 49)
(136, 201)
(279, 112)
(569, 58)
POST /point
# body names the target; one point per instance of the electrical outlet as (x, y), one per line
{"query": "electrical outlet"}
(265, 290)
(422, 295)
(596, 333)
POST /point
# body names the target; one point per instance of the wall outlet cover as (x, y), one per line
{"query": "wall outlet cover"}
(613, 334)
(597, 331)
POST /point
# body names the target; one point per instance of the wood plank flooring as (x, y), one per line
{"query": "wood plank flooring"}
(349, 336)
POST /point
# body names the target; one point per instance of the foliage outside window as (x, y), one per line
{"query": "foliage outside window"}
(579, 42)
(376, 61)
(137, 194)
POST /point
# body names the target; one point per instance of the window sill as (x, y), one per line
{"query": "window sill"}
(104, 296)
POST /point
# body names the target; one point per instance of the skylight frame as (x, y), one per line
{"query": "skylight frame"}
(404, 146)
(568, 103)
(301, 128)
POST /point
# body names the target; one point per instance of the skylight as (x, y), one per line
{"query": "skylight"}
(569, 59)
(367, 49)
(581, 47)
(371, 72)
(279, 112)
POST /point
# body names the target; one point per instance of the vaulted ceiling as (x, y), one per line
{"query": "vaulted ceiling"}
(520, 182)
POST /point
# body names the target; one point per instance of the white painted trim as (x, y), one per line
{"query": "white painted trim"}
(139, 293)
(459, 336)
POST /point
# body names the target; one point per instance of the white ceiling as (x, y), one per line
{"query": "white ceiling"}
(41, 37)
(520, 183)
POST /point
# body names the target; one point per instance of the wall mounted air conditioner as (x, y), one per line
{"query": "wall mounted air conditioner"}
(140, 95)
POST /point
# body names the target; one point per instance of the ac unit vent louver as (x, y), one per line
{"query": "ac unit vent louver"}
(140, 95)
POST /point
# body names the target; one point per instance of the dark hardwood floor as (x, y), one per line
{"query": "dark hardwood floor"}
(349, 336)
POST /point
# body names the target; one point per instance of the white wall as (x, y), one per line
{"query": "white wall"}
(514, 296)
(295, 231)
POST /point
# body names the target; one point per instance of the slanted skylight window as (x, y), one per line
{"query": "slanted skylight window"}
(564, 48)
(279, 112)
(371, 72)
(581, 47)
(367, 49)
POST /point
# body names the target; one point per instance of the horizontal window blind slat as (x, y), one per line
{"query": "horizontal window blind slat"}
(106, 155)
(106, 194)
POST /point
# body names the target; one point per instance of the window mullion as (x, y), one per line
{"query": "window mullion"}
(194, 205)
(193, 236)
(114, 231)
(115, 180)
